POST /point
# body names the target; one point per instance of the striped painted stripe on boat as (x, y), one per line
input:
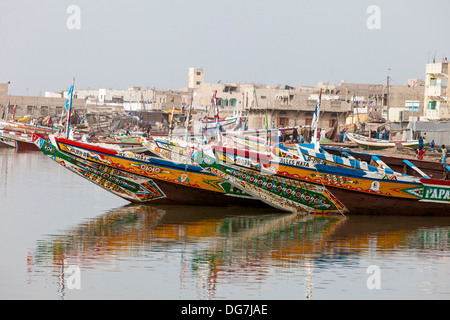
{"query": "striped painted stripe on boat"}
(345, 161)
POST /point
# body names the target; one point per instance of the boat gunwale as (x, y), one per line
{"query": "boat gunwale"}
(316, 170)
(122, 155)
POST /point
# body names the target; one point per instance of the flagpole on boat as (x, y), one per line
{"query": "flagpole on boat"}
(14, 109)
(7, 112)
(171, 124)
(205, 131)
(315, 122)
(387, 96)
(267, 134)
(216, 116)
(187, 148)
(69, 107)
(187, 123)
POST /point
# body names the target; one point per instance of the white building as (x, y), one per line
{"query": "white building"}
(435, 102)
(196, 77)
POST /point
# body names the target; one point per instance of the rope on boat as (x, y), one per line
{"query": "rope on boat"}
(340, 211)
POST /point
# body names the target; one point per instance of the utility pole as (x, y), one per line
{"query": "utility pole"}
(387, 97)
(357, 112)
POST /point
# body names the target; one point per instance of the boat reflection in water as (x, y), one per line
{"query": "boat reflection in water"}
(227, 246)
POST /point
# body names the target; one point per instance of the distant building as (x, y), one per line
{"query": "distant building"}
(406, 102)
(282, 106)
(367, 100)
(436, 95)
(134, 98)
(196, 77)
(285, 106)
(36, 106)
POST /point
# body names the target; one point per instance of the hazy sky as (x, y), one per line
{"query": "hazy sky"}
(152, 43)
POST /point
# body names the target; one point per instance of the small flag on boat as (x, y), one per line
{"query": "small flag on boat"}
(267, 122)
(216, 107)
(315, 120)
(7, 111)
(69, 98)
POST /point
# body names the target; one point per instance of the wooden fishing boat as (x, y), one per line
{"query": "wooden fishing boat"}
(379, 144)
(181, 183)
(280, 192)
(361, 191)
(134, 147)
(414, 167)
(6, 142)
(169, 150)
(119, 143)
(21, 141)
(257, 142)
(348, 162)
(26, 128)
(261, 140)
(217, 122)
(176, 151)
(131, 187)
(42, 131)
(212, 124)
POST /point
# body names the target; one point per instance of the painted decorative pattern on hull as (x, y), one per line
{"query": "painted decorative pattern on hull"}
(355, 180)
(127, 186)
(282, 193)
(156, 169)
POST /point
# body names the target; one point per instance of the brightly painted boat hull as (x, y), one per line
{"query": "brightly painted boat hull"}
(182, 184)
(133, 188)
(23, 141)
(356, 189)
(282, 193)
(377, 144)
(5, 142)
(433, 169)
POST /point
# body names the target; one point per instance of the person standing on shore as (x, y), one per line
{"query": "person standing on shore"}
(420, 153)
(432, 144)
(444, 153)
(305, 134)
(295, 135)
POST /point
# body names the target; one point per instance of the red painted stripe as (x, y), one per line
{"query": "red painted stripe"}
(435, 181)
(85, 146)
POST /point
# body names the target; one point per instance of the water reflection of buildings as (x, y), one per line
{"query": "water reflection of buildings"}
(224, 245)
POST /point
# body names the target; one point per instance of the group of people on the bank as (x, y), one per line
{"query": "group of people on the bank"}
(421, 150)
(301, 135)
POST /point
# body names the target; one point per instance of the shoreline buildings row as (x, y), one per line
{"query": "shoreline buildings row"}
(342, 104)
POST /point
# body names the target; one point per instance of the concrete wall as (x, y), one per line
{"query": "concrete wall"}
(38, 106)
(3, 89)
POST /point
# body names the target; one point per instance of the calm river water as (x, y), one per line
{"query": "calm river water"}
(62, 237)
